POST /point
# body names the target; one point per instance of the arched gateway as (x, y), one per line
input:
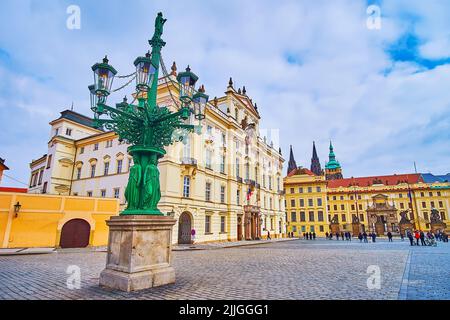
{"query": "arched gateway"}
(75, 234)
(184, 228)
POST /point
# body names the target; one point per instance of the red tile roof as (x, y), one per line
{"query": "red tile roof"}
(8, 189)
(390, 180)
(300, 171)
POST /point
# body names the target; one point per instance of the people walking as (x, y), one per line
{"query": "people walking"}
(389, 234)
(326, 235)
(342, 236)
(268, 235)
(374, 236)
(360, 237)
(310, 236)
(337, 235)
(410, 237)
(314, 235)
(307, 236)
(365, 237)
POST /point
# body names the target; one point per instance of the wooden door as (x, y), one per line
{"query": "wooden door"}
(75, 234)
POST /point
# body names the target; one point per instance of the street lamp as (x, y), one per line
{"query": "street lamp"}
(103, 78)
(145, 72)
(200, 100)
(187, 82)
(146, 127)
(17, 207)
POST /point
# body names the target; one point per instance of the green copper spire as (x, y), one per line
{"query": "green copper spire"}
(332, 162)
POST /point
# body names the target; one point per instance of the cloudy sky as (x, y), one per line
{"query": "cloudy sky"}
(315, 69)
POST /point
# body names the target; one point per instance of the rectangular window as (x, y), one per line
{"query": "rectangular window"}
(361, 217)
(441, 204)
(400, 195)
(425, 216)
(310, 203)
(292, 190)
(293, 216)
(222, 194)
(208, 159)
(222, 164)
(207, 224)
(320, 216)
(360, 206)
(56, 131)
(96, 147)
(106, 170)
(309, 189)
(302, 203)
(117, 193)
(49, 161)
(103, 193)
(238, 197)
(300, 190)
(311, 216)
(293, 203)
(302, 216)
(208, 191)
(238, 174)
(424, 204)
(186, 186)
(68, 132)
(353, 207)
(41, 173)
(222, 224)
(81, 150)
(89, 194)
(321, 228)
(44, 188)
(78, 173)
(432, 204)
(334, 197)
(335, 207)
(343, 218)
(342, 206)
(93, 170)
(109, 144)
(119, 166)
(402, 205)
(318, 189)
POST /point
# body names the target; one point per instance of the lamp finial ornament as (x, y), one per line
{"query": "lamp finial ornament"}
(174, 69)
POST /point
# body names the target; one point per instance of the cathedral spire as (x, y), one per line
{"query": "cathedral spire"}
(292, 164)
(315, 163)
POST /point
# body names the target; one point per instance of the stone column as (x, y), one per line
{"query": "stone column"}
(139, 252)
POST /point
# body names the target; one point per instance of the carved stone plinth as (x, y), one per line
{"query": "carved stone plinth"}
(404, 227)
(356, 229)
(334, 228)
(438, 226)
(139, 253)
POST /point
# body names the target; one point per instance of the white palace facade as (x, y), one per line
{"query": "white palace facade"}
(225, 183)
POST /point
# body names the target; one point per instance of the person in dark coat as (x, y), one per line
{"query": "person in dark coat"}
(360, 237)
(314, 235)
(422, 238)
(389, 234)
(374, 236)
(410, 237)
(310, 236)
(337, 235)
(342, 235)
(307, 236)
(326, 235)
(365, 237)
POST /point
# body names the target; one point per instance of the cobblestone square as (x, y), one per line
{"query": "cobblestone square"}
(302, 269)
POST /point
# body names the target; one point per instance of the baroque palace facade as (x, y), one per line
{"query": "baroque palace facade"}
(224, 182)
(317, 199)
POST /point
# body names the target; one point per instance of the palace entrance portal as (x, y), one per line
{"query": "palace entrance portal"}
(252, 220)
(382, 216)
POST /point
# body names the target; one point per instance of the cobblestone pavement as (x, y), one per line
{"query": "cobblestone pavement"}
(302, 269)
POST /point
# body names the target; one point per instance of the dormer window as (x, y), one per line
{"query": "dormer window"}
(68, 132)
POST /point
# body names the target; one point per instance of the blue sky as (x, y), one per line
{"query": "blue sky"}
(313, 67)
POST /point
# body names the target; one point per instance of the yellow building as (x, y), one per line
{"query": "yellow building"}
(36, 220)
(361, 204)
(224, 181)
(306, 202)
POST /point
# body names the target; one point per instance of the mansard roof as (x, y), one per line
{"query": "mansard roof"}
(389, 180)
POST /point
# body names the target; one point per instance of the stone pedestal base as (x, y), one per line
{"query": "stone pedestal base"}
(334, 228)
(404, 227)
(356, 229)
(436, 227)
(139, 253)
